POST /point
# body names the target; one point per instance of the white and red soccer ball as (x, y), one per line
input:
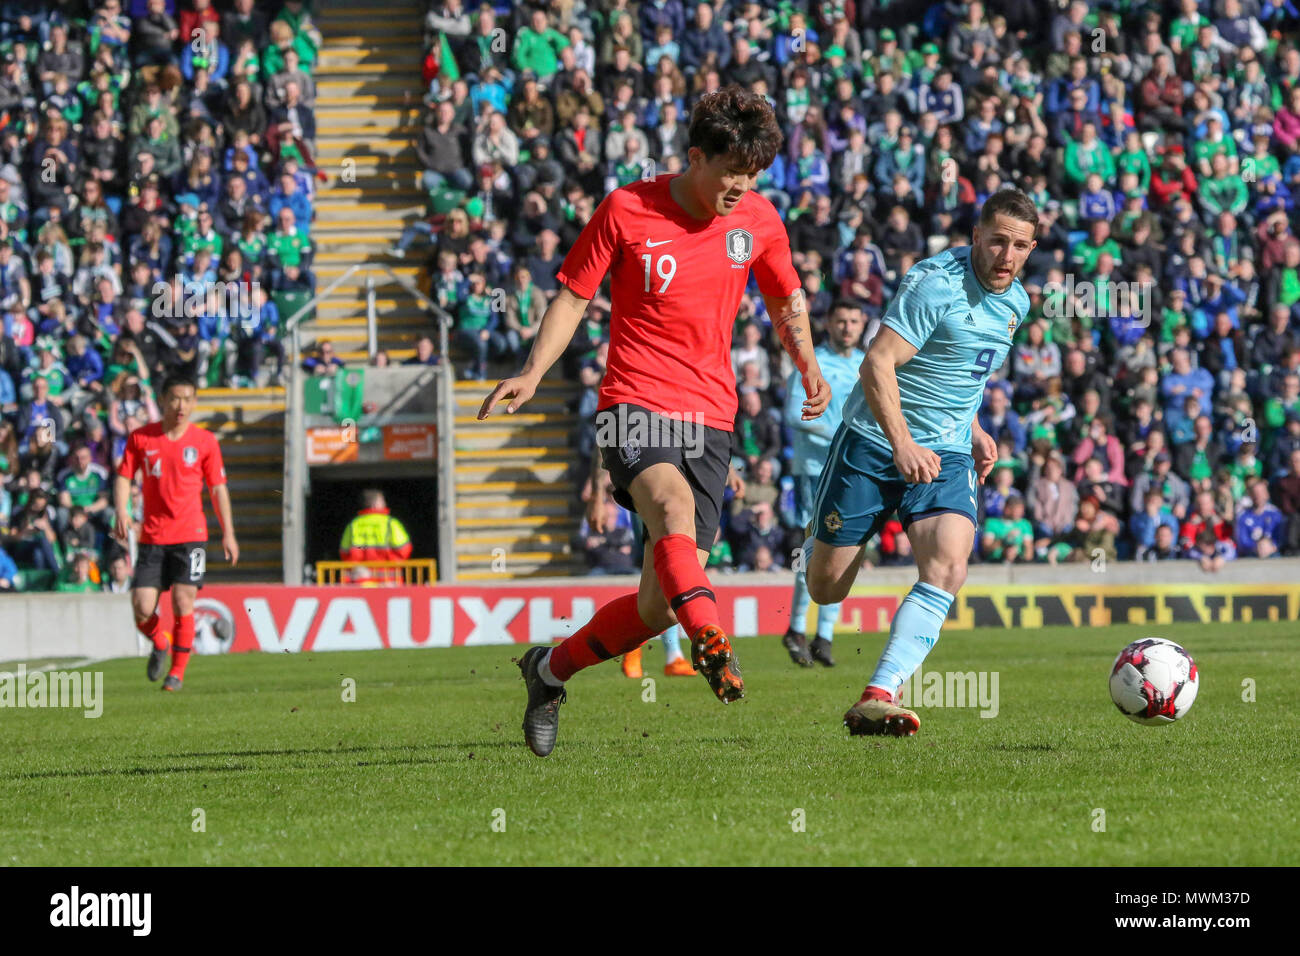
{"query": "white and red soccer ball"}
(1153, 681)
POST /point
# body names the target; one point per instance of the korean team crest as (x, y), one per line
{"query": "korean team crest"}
(740, 245)
(189, 454)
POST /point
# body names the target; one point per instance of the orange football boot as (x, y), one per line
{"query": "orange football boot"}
(632, 664)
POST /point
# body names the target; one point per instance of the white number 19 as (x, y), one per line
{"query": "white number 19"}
(666, 269)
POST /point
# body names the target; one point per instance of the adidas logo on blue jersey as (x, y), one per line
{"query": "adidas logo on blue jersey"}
(970, 318)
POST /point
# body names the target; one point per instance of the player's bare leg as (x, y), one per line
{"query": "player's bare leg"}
(666, 505)
(831, 570)
(183, 596)
(144, 605)
(942, 544)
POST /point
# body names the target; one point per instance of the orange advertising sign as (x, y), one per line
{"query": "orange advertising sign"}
(331, 446)
(409, 442)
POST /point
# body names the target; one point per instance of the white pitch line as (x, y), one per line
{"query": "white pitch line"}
(84, 662)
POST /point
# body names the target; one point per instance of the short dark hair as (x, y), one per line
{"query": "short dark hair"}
(1010, 202)
(851, 304)
(178, 378)
(734, 121)
(371, 497)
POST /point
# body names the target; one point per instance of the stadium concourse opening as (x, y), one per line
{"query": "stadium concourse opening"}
(334, 502)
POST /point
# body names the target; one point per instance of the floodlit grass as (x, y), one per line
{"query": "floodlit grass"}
(430, 755)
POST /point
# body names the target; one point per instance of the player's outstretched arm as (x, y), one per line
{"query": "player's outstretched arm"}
(123, 525)
(229, 544)
(888, 351)
(790, 320)
(553, 336)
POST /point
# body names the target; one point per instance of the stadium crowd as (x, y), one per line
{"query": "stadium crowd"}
(156, 187)
(1150, 408)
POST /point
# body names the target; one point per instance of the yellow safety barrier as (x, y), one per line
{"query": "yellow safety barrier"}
(377, 573)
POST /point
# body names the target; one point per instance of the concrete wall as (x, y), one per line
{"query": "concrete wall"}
(66, 625)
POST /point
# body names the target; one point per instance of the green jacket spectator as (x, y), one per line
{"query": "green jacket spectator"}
(1223, 192)
(289, 248)
(537, 47)
(1089, 156)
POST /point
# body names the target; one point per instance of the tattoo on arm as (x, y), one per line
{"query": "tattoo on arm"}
(791, 322)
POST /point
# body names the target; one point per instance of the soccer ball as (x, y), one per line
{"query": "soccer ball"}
(1153, 681)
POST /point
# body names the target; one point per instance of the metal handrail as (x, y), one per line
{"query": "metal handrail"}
(296, 473)
(415, 571)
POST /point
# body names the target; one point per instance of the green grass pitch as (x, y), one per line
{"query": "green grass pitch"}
(428, 765)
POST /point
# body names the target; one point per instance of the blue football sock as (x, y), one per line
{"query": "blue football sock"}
(671, 639)
(913, 635)
(827, 616)
(799, 608)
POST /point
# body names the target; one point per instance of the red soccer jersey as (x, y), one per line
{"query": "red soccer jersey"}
(676, 284)
(174, 473)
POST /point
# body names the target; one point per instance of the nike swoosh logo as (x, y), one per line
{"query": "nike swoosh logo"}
(651, 245)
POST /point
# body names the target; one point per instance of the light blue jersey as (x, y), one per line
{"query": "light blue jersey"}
(812, 439)
(962, 333)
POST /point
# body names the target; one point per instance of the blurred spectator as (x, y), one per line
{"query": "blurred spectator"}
(8, 571)
(611, 551)
(118, 580)
(1009, 537)
(1053, 503)
(1261, 528)
(1147, 523)
(757, 434)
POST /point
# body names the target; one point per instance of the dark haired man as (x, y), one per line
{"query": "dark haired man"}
(175, 458)
(911, 441)
(679, 250)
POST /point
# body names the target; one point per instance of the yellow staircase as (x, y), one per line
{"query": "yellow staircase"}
(368, 96)
(517, 487)
(249, 424)
(517, 494)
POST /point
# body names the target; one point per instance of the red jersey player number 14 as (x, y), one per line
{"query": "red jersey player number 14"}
(173, 473)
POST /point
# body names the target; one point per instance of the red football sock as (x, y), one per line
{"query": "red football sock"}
(615, 629)
(184, 643)
(685, 584)
(152, 629)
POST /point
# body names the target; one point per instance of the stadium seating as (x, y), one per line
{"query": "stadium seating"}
(1162, 158)
(157, 170)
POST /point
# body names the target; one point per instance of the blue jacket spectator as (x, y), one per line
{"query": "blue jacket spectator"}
(1000, 420)
(8, 571)
(945, 102)
(296, 200)
(698, 42)
(662, 13)
(1261, 528)
(215, 57)
(85, 367)
(1143, 525)
(1181, 381)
